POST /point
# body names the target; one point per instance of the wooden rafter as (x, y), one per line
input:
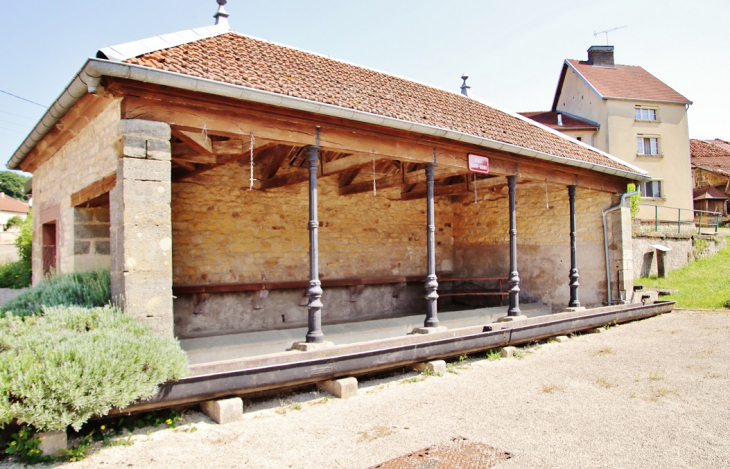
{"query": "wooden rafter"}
(198, 141)
(94, 191)
(221, 161)
(397, 180)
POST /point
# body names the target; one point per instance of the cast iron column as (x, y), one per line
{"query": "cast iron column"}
(574, 284)
(514, 276)
(431, 283)
(314, 289)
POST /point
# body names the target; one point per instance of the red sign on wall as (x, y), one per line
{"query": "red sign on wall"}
(478, 164)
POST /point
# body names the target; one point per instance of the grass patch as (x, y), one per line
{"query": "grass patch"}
(703, 284)
(604, 383)
(551, 388)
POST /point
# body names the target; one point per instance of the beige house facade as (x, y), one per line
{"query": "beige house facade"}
(636, 118)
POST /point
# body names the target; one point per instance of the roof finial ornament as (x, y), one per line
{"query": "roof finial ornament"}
(221, 16)
(464, 86)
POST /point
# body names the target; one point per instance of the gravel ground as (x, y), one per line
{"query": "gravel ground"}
(7, 294)
(652, 393)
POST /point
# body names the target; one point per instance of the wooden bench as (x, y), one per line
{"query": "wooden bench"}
(261, 289)
(474, 290)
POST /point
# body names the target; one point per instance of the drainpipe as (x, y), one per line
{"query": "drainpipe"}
(605, 238)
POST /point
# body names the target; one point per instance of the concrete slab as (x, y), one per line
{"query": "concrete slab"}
(434, 366)
(520, 317)
(233, 346)
(429, 330)
(561, 338)
(223, 411)
(343, 388)
(508, 352)
(310, 346)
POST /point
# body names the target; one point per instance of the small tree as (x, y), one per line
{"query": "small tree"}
(24, 241)
(13, 184)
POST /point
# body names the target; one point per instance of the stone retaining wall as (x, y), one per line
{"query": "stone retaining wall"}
(685, 249)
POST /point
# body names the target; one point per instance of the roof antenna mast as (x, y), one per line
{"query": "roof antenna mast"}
(596, 33)
(221, 16)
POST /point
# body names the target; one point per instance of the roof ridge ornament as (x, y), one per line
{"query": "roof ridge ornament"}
(221, 16)
(464, 86)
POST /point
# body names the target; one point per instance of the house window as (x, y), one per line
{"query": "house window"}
(647, 146)
(645, 114)
(652, 189)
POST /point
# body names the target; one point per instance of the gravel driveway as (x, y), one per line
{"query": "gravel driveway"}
(653, 393)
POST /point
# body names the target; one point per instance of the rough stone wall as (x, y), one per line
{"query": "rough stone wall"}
(685, 249)
(85, 159)
(481, 246)
(224, 233)
(91, 238)
(141, 237)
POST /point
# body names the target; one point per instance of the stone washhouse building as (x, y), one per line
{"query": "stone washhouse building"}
(233, 185)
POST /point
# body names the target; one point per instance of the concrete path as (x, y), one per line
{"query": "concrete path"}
(652, 393)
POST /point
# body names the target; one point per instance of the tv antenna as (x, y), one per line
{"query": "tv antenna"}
(595, 34)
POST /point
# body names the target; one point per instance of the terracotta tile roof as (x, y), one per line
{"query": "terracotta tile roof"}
(708, 192)
(627, 81)
(242, 60)
(550, 119)
(713, 155)
(8, 204)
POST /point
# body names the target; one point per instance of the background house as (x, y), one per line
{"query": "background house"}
(9, 208)
(627, 112)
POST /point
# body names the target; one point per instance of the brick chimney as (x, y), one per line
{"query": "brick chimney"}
(601, 56)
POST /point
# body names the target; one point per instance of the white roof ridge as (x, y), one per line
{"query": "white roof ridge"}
(122, 52)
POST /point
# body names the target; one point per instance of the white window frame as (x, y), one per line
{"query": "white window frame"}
(648, 145)
(644, 114)
(656, 184)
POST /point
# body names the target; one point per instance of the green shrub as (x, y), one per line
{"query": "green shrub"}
(89, 289)
(634, 200)
(15, 274)
(24, 241)
(14, 221)
(74, 363)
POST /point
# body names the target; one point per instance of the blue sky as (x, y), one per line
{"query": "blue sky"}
(512, 50)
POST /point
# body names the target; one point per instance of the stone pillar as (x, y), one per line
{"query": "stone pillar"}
(141, 226)
(314, 290)
(574, 284)
(431, 280)
(514, 276)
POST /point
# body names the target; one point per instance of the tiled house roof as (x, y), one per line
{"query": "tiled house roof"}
(242, 60)
(626, 81)
(9, 204)
(708, 192)
(550, 119)
(713, 155)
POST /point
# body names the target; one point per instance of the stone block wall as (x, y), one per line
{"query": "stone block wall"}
(685, 249)
(91, 238)
(224, 233)
(481, 246)
(88, 157)
(141, 238)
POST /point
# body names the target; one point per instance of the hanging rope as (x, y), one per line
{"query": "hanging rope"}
(375, 187)
(205, 133)
(474, 183)
(250, 186)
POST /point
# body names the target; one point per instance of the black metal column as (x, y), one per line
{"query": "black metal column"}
(574, 284)
(431, 282)
(314, 289)
(514, 276)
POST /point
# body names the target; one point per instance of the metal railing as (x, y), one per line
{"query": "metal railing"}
(716, 224)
